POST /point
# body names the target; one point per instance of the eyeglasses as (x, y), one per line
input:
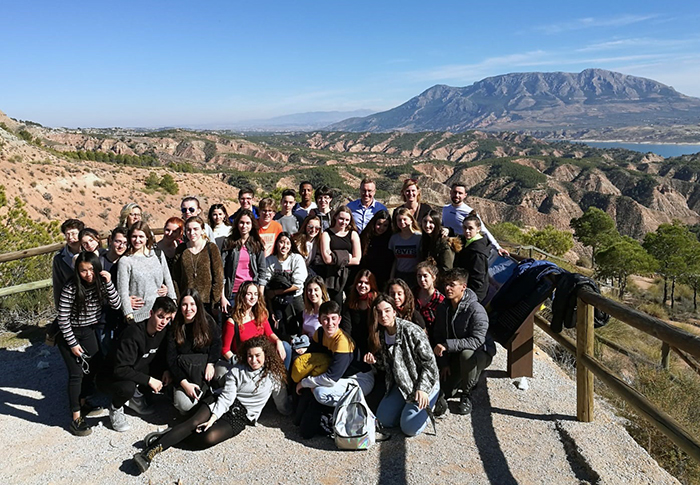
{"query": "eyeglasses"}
(185, 210)
(117, 242)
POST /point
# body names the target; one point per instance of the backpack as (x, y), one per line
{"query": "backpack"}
(353, 422)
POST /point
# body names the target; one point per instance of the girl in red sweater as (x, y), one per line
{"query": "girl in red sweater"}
(249, 319)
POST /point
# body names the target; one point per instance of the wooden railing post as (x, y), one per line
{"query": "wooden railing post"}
(665, 355)
(585, 340)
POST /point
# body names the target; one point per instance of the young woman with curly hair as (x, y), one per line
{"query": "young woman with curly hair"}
(248, 386)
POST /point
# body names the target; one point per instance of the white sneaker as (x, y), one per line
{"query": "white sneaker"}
(138, 405)
(118, 419)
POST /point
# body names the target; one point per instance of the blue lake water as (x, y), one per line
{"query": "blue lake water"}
(665, 150)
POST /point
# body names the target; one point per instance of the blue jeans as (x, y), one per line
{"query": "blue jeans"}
(288, 354)
(394, 411)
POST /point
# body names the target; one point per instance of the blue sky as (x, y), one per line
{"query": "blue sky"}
(184, 63)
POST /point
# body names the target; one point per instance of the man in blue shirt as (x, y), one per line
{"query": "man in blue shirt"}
(364, 208)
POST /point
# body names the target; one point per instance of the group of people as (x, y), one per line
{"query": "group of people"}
(224, 312)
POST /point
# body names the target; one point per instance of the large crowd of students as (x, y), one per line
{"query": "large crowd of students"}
(223, 313)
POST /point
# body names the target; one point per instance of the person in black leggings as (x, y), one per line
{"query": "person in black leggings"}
(79, 310)
(259, 374)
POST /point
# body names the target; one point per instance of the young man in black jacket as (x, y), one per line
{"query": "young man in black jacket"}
(134, 364)
(462, 348)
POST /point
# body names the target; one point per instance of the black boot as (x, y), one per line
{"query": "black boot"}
(440, 406)
(465, 404)
(144, 459)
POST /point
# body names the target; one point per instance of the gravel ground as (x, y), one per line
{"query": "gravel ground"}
(513, 436)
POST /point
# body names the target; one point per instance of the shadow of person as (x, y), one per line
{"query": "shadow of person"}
(30, 393)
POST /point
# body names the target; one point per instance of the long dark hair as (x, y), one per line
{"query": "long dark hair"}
(292, 250)
(211, 211)
(201, 331)
(409, 304)
(234, 241)
(373, 339)
(354, 298)
(79, 304)
(273, 366)
(369, 232)
(429, 242)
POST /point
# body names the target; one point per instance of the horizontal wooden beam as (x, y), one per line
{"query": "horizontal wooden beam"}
(641, 321)
(629, 353)
(665, 423)
(35, 285)
(27, 253)
(49, 248)
(563, 340)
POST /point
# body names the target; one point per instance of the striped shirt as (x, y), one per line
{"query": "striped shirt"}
(90, 315)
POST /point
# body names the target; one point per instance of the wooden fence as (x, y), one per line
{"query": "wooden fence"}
(588, 366)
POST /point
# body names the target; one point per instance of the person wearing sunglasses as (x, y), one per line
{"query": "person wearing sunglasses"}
(189, 207)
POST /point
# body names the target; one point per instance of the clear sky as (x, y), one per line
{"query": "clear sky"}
(183, 63)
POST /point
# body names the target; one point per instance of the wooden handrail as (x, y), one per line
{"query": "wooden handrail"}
(35, 285)
(27, 253)
(49, 248)
(665, 423)
(641, 321)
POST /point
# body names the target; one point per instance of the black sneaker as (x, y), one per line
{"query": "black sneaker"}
(440, 406)
(465, 405)
(79, 427)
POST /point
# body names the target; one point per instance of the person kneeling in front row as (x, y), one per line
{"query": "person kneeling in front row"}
(402, 349)
(462, 346)
(135, 364)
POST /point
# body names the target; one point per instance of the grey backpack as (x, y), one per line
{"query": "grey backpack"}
(354, 424)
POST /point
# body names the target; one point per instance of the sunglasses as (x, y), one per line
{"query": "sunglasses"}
(191, 210)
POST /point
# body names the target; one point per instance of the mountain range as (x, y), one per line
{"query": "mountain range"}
(549, 104)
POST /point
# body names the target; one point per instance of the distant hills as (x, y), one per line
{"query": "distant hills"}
(309, 121)
(592, 103)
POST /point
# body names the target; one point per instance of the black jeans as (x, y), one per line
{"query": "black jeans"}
(80, 385)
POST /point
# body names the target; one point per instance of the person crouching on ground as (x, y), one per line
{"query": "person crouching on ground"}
(325, 390)
(462, 346)
(135, 364)
(402, 349)
(259, 374)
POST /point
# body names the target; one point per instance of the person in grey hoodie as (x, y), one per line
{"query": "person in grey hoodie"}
(462, 346)
(249, 384)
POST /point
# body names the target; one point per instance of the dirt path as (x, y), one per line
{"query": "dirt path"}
(513, 436)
